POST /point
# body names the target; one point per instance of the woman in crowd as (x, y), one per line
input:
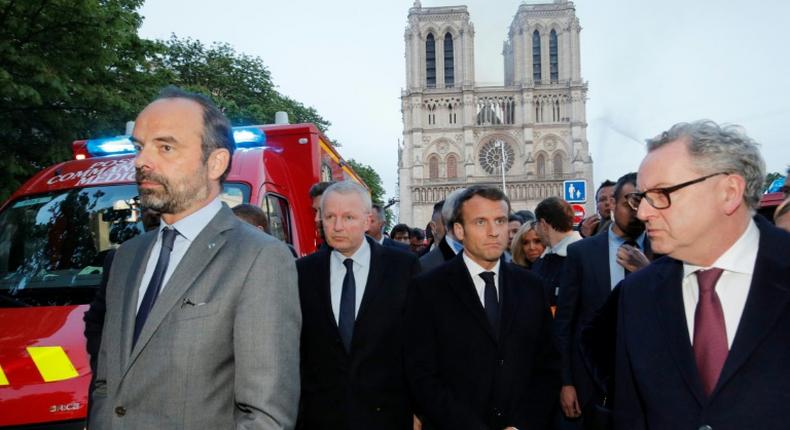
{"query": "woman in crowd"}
(526, 247)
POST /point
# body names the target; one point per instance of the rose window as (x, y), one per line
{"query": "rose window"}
(494, 154)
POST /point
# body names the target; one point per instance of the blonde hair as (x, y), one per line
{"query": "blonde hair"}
(517, 247)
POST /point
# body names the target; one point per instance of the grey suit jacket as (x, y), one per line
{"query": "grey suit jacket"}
(220, 348)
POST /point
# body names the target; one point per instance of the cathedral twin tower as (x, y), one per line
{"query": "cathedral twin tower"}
(530, 133)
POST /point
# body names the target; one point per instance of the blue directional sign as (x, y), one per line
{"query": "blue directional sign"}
(575, 191)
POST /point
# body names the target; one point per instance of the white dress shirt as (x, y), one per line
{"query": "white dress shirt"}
(188, 229)
(733, 286)
(480, 285)
(337, 272)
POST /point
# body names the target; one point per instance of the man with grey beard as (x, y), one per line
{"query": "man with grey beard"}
(202, 329)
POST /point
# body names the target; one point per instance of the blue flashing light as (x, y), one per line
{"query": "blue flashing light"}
(110, 146)
(249, 137)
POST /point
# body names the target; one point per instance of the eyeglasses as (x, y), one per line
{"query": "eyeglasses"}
(659, 197)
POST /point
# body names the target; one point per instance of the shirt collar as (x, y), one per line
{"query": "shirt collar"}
(618, 241)
(361, 256)
(190, 226)
(739, 258)
(476, 269)
(561, 248)
(454, 244)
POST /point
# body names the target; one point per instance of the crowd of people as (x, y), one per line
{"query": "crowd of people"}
(667, 309)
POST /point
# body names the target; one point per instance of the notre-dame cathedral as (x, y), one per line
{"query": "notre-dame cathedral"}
(530, 133)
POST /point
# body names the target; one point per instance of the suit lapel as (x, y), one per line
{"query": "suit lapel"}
(767, 299)
(131, 291)
(672, 316)
(507, 299)
(465, 290)
(200, 253)
(324, 288)
(601, 263)
(373, 283)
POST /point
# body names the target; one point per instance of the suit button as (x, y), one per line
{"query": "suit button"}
(120, 411)
(498, 413)
(501, 363)
(705, 427)
(378, 409)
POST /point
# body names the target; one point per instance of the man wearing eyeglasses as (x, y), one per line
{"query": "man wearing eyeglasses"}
(703, 333)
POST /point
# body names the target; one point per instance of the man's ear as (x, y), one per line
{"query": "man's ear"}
(458, 231)
(218, 162)
(732, 189)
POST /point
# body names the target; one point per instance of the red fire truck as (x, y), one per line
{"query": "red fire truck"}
(56, 229)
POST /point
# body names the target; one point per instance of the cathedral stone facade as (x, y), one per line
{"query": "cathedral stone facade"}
(456, 133)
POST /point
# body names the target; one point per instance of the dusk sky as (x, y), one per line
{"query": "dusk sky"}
(648, 65)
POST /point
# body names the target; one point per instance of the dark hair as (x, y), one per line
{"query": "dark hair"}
(417, 233)
(252, 215)
(526, 215)
(318, 188)
(604, 184)
(400, 228)
(437, 207)
(217, 130)
(557, 212)
(628, 178)
(485, 191)
(515, 217)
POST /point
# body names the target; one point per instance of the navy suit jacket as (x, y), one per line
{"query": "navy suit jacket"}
(365, 389)
(585, 284)
(657, 383)
(462, 374)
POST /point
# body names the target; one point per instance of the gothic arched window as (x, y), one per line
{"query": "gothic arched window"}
(553, 57)
(452, 166)
(449, 70)
(430, 61)
(536, 56)
(558, 164)
(541, 162)
(433, 167)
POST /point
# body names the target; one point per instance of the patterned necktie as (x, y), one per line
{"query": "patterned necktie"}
(491, 301)
(710, 331)
(155, 284)
(348, 301)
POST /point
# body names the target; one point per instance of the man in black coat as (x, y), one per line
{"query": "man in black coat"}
(478, 330)
(353, 295)
(703, 333)
(591, 270)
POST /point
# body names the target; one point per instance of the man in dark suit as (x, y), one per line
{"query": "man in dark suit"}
(375, 231)
(591, 270)
(353, 296)
(478, 330)
(202, 314)
(703, 333)
(449, 245)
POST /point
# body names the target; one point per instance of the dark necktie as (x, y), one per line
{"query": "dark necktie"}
(710, 331)
(155, 284)
(348, 302)
(633, 243)
(491, 301)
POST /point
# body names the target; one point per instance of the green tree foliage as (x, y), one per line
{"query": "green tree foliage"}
(239, 84)
(73, 69)
(68, 69)
(374, 183)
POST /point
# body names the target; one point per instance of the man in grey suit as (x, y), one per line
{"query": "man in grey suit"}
(203, 320)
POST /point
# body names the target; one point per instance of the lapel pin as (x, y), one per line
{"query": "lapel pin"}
(211, 245)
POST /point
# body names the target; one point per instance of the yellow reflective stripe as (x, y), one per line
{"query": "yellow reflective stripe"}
(3, 379)
(52, 362)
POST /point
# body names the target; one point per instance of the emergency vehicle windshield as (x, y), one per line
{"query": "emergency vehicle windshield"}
(52, 246)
